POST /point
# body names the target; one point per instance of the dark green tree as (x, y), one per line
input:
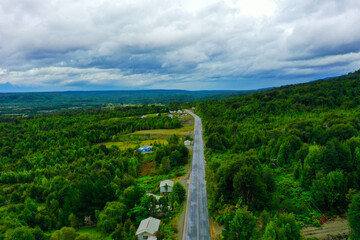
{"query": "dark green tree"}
(354, 216)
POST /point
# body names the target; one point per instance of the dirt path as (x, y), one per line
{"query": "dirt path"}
(330, 229)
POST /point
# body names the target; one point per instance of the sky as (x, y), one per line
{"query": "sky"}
(61, 45)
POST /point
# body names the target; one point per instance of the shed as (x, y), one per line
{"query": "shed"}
(187, 142)
(148, 228)
(146, 148)
(166, 186)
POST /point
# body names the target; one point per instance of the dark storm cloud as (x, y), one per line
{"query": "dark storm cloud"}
(89, 44)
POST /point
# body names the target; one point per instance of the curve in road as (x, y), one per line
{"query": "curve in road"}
(198, 227)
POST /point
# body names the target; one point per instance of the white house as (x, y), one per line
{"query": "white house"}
(179, 111)
(171, 116)
(166, 186)
(187, 142)
(148, 228)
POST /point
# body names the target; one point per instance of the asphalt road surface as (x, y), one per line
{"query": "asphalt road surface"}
(198, 227)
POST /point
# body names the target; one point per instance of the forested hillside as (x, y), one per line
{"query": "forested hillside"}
(19, 104)
(56, 174)
(283, 158)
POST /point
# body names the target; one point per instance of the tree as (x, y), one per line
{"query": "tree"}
(288, 149)
(159, 155)
(20, 233)
(354, 216)
(247, 185)
(39, 234)
(165, 165)
(175, 158)
(290, 229)
(173, 139)
(132, 196)
(113, 213)
(336, 190)
(67, 233)
(29, 212)
(74, 221)
(336, 155)
(178, 192)
(241, 227)
(319, 191)
(216, 142)
(270, 232)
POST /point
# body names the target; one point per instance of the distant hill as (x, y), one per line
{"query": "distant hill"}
(34, 103)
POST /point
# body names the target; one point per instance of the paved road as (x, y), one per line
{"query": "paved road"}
(198, 217)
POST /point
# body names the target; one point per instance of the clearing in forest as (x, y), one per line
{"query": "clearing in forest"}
(149, 137)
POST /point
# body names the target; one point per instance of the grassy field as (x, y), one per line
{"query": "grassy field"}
(149, 137)
(93, 233)
(134, 144)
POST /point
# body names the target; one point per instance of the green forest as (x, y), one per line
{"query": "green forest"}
(284, 158)
(277, 161)
(56, 176)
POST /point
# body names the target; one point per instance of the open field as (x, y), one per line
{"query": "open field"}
(149, 137)
(133, 144)
(93, 233)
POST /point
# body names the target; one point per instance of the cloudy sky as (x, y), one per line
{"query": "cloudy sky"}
(176, 44)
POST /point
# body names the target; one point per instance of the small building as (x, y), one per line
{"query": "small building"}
(87, 220)
(171, 116)
(146, 148)
(166, 186)
(148, 228)
(143, 116)
(179, 111)
(193, 108)
(187, 142)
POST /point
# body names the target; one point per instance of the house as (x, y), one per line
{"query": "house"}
(171, 116)
(143, 116)
(148, 229)
(166, 186)
(146, 148)
(179, 111)
(187, 142)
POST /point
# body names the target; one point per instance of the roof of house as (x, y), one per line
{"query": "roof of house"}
(187, 141)
(145, 147)
(149, 225)
(167, 182)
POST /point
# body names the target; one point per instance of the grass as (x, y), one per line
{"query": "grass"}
(93, 233)
(133, 144)
(187, 129)
(148, 137)
(151, 182)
